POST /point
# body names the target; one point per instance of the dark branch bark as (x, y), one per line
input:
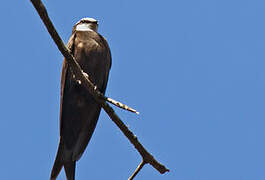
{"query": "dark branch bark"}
(100, 98)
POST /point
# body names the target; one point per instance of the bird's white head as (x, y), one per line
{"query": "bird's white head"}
(86, 24)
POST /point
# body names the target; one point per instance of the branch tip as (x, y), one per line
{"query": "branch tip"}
(137, 170)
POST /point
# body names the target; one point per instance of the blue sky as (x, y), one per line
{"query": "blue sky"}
(193, 68)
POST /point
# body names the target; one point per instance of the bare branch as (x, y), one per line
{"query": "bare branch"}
(99, 97)
(138, 169)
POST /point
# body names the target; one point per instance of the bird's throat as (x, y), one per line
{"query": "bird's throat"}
(83, 27)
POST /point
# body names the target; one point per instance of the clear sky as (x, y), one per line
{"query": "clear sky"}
(195, 69)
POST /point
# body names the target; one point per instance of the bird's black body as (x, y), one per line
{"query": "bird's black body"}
(79, 111)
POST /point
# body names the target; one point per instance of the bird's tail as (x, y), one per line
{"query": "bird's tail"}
(58, 164)
(69, 168)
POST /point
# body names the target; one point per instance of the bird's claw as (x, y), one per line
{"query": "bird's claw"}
(85, 74)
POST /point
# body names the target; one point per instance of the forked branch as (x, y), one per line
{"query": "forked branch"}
(99, 97)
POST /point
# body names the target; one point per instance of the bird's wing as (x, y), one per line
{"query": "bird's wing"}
(58, 161)
(109, 62)
(79, 111)
(70, 46)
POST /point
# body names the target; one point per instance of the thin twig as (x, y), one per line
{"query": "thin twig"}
(147, 157)
(121, 105)
(137, 170)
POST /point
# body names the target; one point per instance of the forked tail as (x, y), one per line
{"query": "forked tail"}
(58, 164)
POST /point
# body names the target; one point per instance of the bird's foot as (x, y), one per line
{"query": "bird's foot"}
(85, 74)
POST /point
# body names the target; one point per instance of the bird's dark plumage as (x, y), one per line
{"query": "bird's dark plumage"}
(79, 111)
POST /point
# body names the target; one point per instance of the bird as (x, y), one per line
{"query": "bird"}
(79, 111)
